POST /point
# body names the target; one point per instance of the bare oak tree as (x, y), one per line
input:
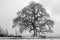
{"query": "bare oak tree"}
(35, 17)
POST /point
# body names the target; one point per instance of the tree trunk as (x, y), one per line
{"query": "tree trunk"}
(35, 33)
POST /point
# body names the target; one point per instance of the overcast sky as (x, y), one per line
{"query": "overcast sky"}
(9, 8)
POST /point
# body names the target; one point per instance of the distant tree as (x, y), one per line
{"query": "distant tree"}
(2, 32)
(35, 17)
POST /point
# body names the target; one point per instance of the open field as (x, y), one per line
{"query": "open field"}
(17, 38)
(29, 38)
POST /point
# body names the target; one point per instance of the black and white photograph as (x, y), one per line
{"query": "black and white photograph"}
(30, 19)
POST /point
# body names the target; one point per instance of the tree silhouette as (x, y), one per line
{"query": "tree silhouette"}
(3, 32)
(35, 17)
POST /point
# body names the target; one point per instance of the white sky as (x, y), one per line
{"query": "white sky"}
(9, 8)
